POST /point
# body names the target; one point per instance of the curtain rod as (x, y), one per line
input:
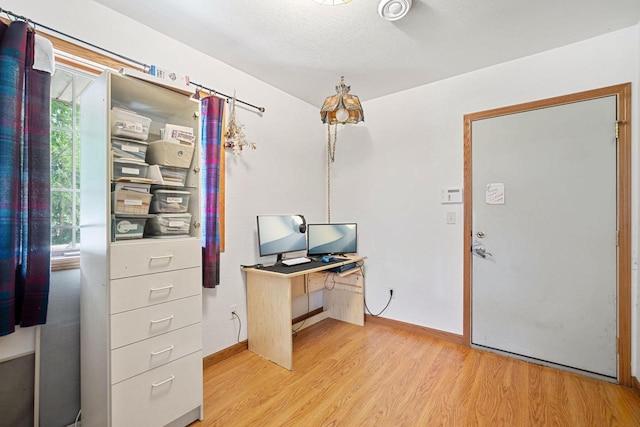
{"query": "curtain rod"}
(215, 92)
(133, 61)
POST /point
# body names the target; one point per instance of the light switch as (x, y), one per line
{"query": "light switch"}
(451, 217)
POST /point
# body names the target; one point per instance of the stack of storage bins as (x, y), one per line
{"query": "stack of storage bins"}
(170, 159)
(130, 195)
(172, 218)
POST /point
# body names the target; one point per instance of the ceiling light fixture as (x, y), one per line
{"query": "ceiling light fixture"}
(341, 108)
(392, 10)
(332, 2)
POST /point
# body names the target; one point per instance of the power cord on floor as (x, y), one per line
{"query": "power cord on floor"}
(385, 307)
(239, 324)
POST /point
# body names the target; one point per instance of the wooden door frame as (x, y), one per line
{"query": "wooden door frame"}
(623, 93)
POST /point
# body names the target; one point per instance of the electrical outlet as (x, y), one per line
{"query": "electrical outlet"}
(232, 309)
(392, 292)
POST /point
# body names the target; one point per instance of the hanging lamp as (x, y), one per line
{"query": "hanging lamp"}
(340, 108)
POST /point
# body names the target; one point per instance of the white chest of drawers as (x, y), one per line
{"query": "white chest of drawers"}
(141, 299)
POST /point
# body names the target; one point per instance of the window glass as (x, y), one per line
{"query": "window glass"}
(66, 87)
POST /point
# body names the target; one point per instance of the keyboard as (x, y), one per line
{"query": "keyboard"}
(295, 261)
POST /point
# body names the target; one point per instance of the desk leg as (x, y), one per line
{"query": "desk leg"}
(345, 305)
(269, 318)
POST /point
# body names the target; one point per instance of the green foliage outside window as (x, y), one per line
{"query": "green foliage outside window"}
(63, 185)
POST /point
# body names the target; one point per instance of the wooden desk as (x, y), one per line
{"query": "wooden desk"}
(269, 296)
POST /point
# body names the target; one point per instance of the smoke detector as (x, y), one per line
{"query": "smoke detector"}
(392, 10)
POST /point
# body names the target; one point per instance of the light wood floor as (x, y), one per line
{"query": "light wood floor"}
(345, 375)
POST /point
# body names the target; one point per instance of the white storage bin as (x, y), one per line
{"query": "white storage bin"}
(130, 202)
(129, 168)
(170, 201)
(129, 149)
(125, 228)
(168, 225)
(128, 124)
(169, 153)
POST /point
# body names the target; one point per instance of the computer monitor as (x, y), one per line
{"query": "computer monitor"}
(332, 239)
(279, 234)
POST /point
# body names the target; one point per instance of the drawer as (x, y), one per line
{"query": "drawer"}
(154, 256)
(145, 355)
(137, 325)
(159, 396)
(141, 291)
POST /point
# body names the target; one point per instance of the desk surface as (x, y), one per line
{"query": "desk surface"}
(313, 267)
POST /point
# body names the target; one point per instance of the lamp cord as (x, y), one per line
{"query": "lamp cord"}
(331, 156)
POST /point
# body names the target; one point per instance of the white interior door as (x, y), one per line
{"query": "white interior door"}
(544, 213)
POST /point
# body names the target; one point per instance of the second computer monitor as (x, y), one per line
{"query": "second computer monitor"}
(332, 239)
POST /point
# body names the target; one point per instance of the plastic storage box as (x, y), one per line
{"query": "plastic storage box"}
(129, 168)
(170, 201)
(167, 175)
(129, 124)
(129, 149)
(130, 202)
(125, 228)
(166, 225)
(168, 153)
(132, 186)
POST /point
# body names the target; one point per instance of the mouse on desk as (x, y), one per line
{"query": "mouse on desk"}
(328, 258)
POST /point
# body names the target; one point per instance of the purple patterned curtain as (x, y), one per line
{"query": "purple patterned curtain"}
(24, 181)
(212, 112)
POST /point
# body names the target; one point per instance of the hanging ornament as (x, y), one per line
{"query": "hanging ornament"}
(235, 138)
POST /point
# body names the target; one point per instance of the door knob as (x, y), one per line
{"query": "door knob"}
(478, 249)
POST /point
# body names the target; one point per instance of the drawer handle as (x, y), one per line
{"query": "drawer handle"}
(155, 258)
(155, 353)
(163, 319)
(171, 378)
(164, 288)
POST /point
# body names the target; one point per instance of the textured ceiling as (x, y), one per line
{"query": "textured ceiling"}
(303, 47)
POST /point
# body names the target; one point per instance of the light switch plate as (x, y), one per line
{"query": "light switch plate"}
(451, 217)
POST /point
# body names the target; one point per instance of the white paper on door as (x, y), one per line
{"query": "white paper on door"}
(495, 193)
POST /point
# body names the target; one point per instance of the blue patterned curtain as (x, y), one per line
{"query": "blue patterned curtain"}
(212, 113)
(24, 181)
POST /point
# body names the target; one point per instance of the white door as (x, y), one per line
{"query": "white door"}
(544, 217)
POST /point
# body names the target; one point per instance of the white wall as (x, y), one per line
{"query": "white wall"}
(284, 175)
(389, 171)
(17, 344)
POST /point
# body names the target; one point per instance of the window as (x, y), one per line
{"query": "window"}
(67, 85)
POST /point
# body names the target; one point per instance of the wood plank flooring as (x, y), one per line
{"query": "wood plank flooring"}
(345, 375)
